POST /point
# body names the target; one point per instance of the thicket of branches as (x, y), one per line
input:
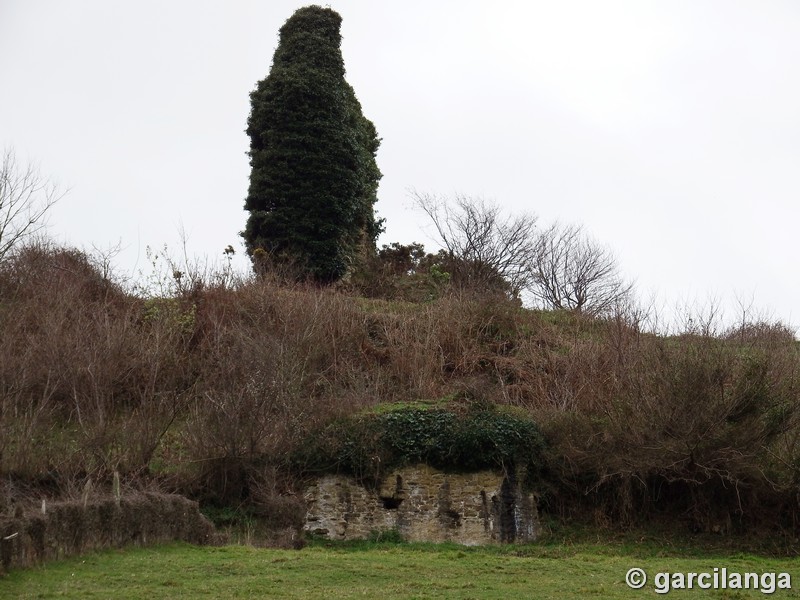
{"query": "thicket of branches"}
(491, 249)
(210, 390)
(560, 267)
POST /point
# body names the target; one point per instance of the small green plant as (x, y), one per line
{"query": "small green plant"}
(172, 310)
(386, 536)
(439, 276)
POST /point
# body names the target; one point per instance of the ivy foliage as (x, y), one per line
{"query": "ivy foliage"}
(314, 178)
(446, 437)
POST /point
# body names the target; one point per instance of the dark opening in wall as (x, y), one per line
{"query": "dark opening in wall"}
(391, 502)
(508, 523)
(451, 518)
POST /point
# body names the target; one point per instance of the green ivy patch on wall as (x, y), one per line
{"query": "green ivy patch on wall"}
(450, 437)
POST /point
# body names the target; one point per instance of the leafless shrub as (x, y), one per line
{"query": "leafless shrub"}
(276, 362)
(488, 245)
(754, 328)
(184, 276)
(693, 412)
(89, 378)
(569, 271)
(25, 198)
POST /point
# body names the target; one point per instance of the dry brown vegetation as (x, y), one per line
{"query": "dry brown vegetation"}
(210, 389)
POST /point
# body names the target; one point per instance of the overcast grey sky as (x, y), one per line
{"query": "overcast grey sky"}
(670, 129)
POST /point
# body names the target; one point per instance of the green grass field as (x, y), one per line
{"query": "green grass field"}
(560, 571)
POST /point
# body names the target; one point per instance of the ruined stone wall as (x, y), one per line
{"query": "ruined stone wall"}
(70, 528)
(424, 504)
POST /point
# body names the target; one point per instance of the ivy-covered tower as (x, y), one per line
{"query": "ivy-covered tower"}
(313, 179)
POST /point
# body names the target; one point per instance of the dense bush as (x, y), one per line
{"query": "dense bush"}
(409, 273)
(451, 438)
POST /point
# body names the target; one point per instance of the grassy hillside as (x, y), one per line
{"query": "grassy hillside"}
(211, 387)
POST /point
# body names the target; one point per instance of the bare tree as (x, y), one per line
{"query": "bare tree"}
(485, 242)
(570, 271)
(25, 198)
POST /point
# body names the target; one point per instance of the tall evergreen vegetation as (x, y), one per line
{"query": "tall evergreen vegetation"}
(314, 179)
